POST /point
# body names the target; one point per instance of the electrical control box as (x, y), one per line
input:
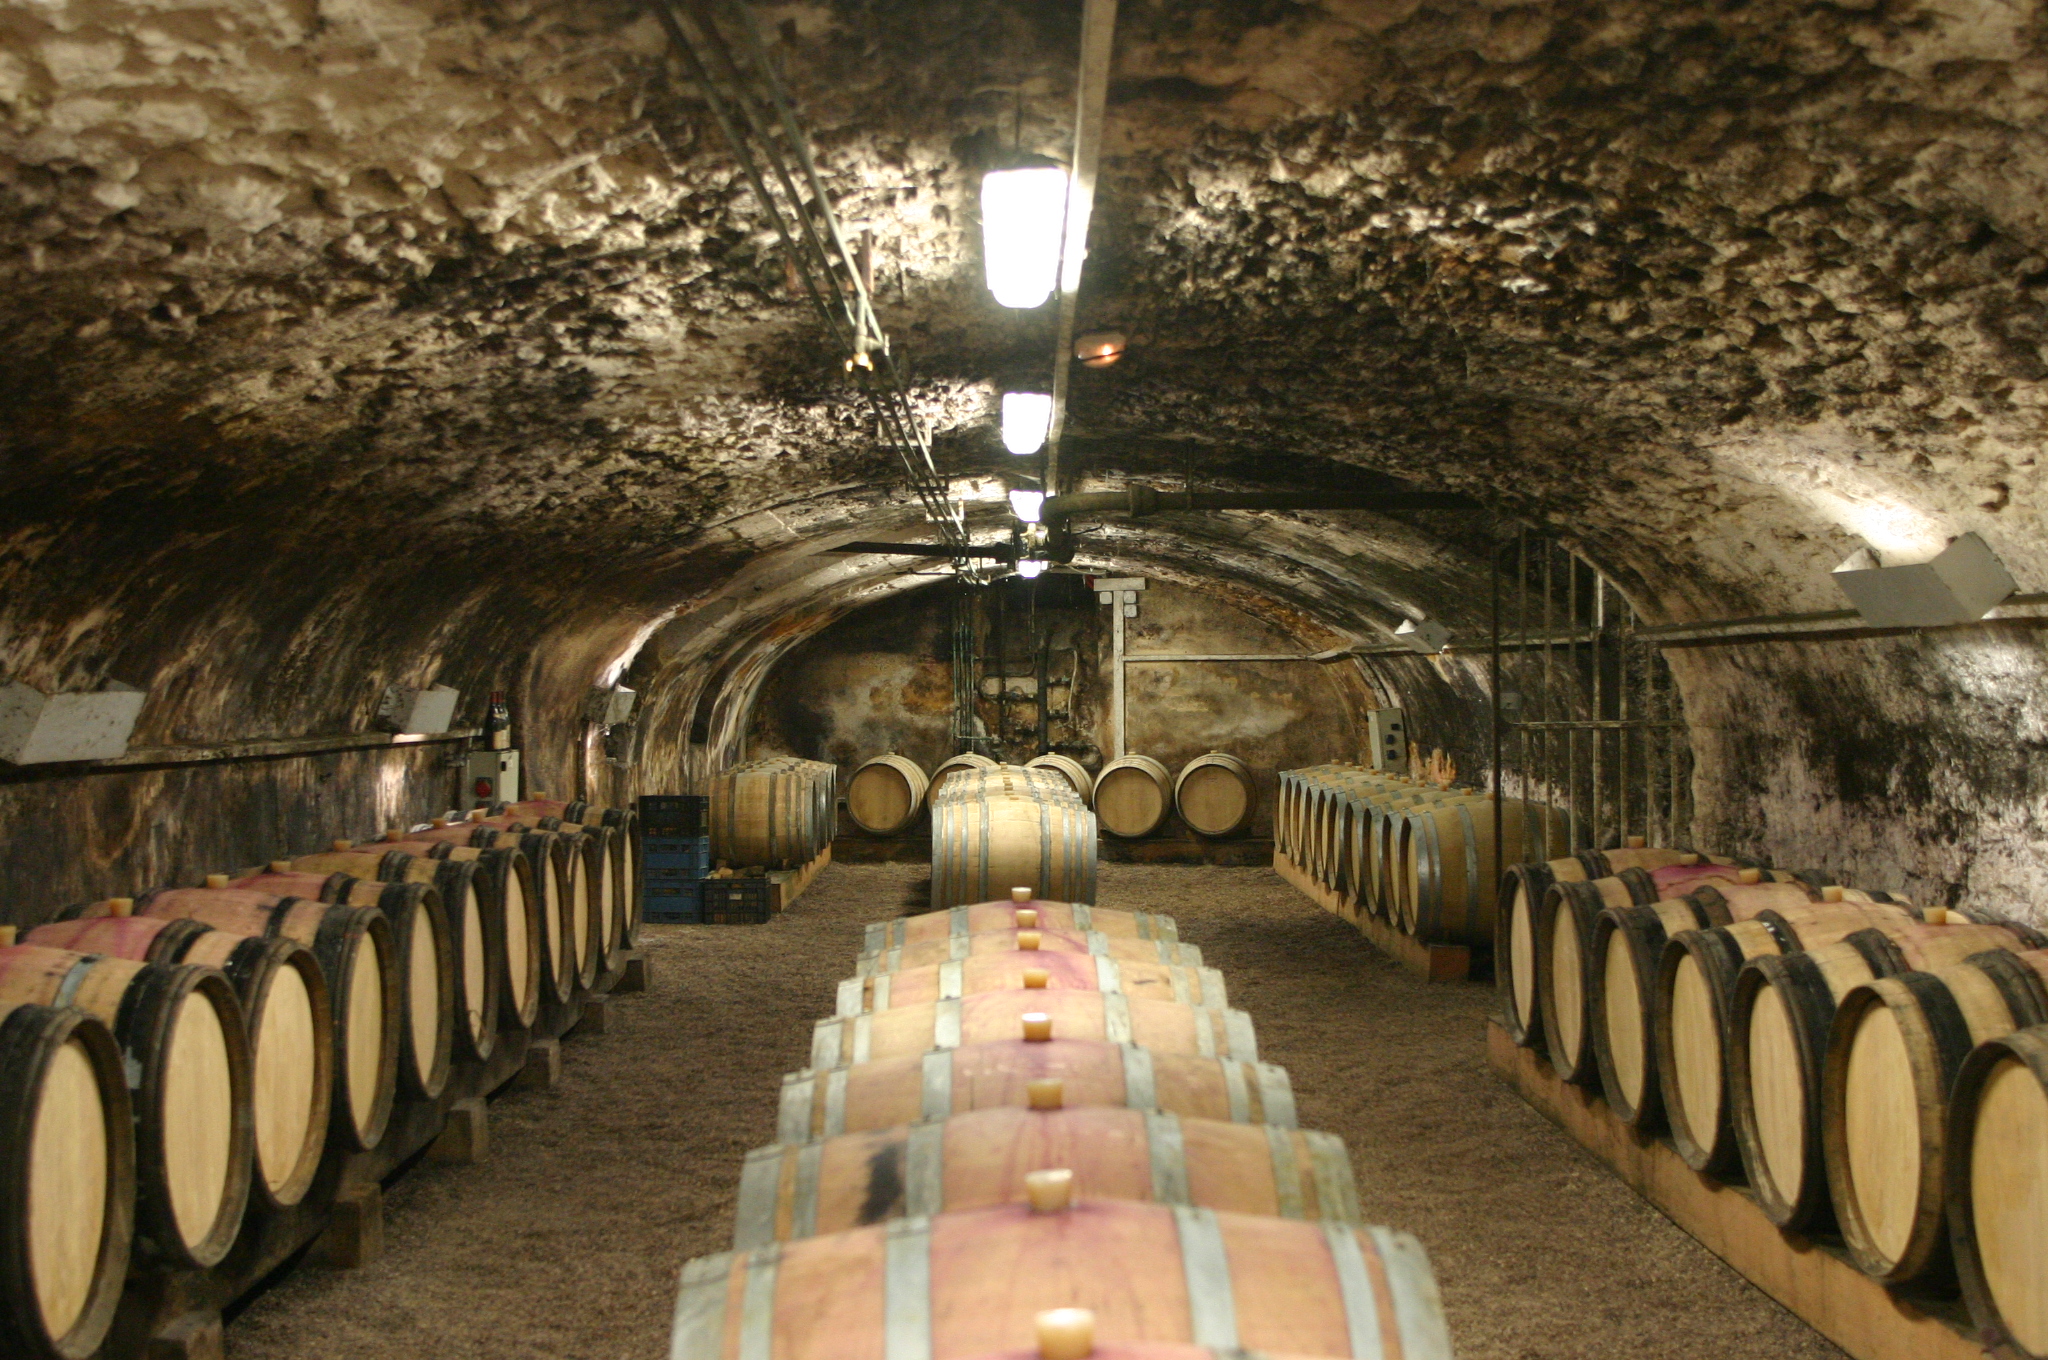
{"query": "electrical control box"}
(491, 777)
(1388, 730)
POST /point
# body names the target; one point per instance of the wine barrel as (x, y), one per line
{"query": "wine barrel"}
(986, 1017)
(1446, 866)
(1628, 949)
(977, 1160)
(356, 951)
(1006, 781)
(886, 794)
(1996, 1182)
(1893, 1053)
(1214, 794)
(768, 813)
(952, 765)
(472, 931)
(1343, 857)
(625, 825)
(983, 847)
(965, 1284)
(508, 882)
(185, 1054)
(1523, 890)
(930, 953)
(1571, 970)
(423, 943)
(548, 855)
(880, 1095)
(285, 1011)
(1132, 796)
(67, 1181)
(1693, 995)
(983, 917)
(1073, 771)
(1023, 969)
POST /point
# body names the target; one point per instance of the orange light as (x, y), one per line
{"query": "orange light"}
(1100, 349)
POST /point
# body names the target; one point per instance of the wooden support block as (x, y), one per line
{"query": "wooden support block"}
(1430, 962)
(633, 974)
(595, 1017)
(465, 1136)
(543, 1066)
(1814, 1280)
(195, 1336)
(355, 1229)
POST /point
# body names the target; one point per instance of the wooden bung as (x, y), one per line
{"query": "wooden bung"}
(1028, 939)
(981, 917)
(1026, 918)
(1021, 894)
(1047, 1093)
(1037, 1027)
(1037, 978)
(1049, 1191)
(1065, 1333)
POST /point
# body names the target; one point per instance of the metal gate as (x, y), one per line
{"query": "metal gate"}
(1585, 716)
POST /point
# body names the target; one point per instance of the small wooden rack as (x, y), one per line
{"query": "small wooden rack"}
(1814, 1280)
(1430, 962)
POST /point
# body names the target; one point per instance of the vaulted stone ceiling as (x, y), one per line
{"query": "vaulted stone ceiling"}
(384, 340)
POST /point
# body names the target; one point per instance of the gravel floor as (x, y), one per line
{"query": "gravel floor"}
(565, 1244)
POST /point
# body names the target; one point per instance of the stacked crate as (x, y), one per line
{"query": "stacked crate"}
(677, 845)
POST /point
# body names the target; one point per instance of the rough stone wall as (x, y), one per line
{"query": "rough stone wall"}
(413, 340)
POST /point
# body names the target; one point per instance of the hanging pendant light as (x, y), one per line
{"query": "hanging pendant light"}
(1029, 567)
(1023, 216)
(1026, 418)
(1027, 505)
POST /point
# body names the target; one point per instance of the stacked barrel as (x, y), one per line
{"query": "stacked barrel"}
(175, 1062)
(1036, 1126)
(775, 813)
(1010, 824)
(1423, 859)
(1866, 1067)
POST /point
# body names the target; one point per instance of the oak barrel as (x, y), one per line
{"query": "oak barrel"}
(185, 1054)
(1073, 771)
(885, 794)
(285, 1010)
(985, 846)
(549, 856)
(928, 953)
(508, 891)
(982, 917)
(1523, 889)
(357, 954)
(961, 1285)
(1132, 796)
(952, 765)
(67, 1181)
(1996, 1180)
(979, 1159)
(1893, 1052)
(880, 1095)
(988, 1017)
(775, 813)
(472, 932)
(1006, 781)
(1030, 968)
(1214, 794)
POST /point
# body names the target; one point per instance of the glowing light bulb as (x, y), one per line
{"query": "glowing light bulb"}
(1027, 569)
(1026, 418)
(1023, 216)
(1027, 504)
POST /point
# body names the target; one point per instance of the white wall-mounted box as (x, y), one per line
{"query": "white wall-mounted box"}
(38, 728)
(1960, 585)
(421, 712)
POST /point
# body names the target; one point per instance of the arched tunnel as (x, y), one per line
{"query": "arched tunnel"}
(360, 347)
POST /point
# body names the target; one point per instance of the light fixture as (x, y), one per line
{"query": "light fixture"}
(1029, 567)
(1422, 635)
(1963, 583)
(1100, 349)
(1026, 418)
(1027, 504)
(1023, 216)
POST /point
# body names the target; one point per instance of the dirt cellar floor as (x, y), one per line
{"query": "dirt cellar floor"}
(565, 1244)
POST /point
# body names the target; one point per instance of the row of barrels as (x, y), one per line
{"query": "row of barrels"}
(1036, 1127)
(173, 1062)
(1213, 794)
(1868, 1067)
(779, 812)
(998, 825)
(1421, 858)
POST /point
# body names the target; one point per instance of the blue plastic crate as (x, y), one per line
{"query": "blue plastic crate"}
(672, 910)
